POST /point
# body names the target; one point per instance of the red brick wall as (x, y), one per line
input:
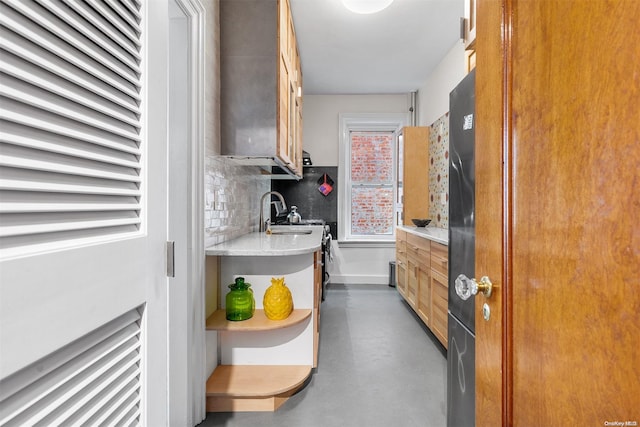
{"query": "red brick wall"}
(372, 163)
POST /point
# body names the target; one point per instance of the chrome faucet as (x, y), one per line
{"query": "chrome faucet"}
(264, 225)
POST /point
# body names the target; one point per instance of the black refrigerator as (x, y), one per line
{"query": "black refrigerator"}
(461, 324)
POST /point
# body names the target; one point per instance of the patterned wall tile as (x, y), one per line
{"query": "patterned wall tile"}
(439, 172)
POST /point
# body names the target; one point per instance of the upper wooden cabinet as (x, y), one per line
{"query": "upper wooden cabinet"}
(470, 34)
(260, 83)
(415, 173)
(470, 24)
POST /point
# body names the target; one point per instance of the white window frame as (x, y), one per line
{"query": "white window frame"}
(372, 122)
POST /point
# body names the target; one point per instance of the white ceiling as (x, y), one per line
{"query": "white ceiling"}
(392, 51)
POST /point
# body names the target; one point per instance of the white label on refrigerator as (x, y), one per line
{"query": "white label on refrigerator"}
(468, 122)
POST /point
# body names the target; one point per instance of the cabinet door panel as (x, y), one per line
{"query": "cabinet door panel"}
(424, 295)
(415, 172)
(401, 276)
(439, 305)
(283, 112)
(412, 282)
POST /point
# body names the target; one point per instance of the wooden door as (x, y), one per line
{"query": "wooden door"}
(558, 196)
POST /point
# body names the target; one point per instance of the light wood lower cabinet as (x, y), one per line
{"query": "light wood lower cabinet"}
(423, 307)
(439, 306)
(412, 282)
(401, 262)
(418, 252)
(421, 279)
(439, 291)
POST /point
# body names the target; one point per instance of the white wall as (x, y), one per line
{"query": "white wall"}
(433, 95)
(320, 120)
(361, 265)
(370, 265)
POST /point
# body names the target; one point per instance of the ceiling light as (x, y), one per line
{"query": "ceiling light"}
(366, 6)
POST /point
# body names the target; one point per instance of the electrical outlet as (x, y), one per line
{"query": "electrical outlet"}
(443, 198)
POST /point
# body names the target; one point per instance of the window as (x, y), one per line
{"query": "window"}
(367, 185)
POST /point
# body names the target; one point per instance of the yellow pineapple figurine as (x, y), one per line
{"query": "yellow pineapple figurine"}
(277, 301)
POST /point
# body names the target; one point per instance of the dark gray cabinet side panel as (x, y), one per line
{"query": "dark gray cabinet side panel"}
(248, 77)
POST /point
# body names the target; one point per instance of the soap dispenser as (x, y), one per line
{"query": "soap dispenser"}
(294, 217)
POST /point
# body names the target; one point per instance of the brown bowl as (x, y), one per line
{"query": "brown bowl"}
(421, 222)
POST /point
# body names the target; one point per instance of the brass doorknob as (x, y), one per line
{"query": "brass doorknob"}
(466, 287)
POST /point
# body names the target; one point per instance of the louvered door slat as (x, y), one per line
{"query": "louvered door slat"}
(66, 166)
(69, 34)
(75, 21)
(130, 418)
(36, 118)
(25, 93)
(36, 139)
(123, 13)
(24, 230)
(51, 63)
(93, 408)
(125, 410)
(96, 20)
(132, 8)
(117, 21)
(20, 185)
(46, 83)
(54, 392)
(109, 334)
(61, 207)
(24, 400)
(24, 27)
(120, 397)
(96, 378)
(87, 389)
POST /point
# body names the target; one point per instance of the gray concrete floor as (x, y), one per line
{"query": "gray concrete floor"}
(377, 366)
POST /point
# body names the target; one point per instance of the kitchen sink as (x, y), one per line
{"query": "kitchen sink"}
(280, 231)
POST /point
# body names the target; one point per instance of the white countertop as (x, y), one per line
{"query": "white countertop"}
(262, 244)
(439, 235)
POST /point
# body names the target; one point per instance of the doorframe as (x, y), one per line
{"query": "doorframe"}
(195, 411)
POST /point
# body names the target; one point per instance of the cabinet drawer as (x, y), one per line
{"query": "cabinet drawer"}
(401, 249)
(418, 247)
(440, 258)
(401, 243)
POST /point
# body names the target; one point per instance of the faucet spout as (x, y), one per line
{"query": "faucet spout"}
(262, 226)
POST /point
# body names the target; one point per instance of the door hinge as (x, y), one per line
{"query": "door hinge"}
(170, 258)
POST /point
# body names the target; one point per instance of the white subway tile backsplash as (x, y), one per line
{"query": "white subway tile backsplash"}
(237, 191)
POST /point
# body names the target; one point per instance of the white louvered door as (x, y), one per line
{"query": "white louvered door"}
(83, 212)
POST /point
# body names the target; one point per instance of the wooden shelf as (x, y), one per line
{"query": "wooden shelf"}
(237, 388)
(259, 322)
